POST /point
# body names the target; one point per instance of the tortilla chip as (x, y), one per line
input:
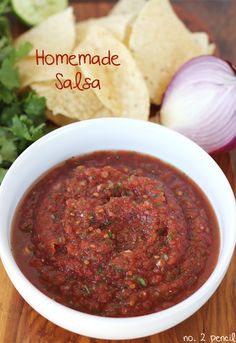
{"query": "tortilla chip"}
(124, 8)
(211, 49)
(103, 113)
(128, 7)
(123, 89)
(160, 44)
(59, 119)
(117, 25)
(202, 39)
(54, 35)
(75, 104)
(30, 72)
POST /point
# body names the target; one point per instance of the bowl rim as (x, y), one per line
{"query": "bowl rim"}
(197, 298)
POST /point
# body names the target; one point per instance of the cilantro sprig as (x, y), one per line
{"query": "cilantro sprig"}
(22, 115)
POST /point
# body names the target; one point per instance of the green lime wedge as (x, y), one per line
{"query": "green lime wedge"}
(33, 12)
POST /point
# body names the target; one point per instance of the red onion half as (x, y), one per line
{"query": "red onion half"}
(200, 103)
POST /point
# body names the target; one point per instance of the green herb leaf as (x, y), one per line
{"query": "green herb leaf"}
(34, 106)
(8, 150)
(5, 51)
(119, 269)
(92, 218)
(9, 112)
(22, 116)
(110, 234)
(170, 236)
(20, 52)
(19, 128)
(7, 146)
(4, 31)
(5, 6)
(141, 281)
(100, 270)
(117, 187)
(6, 96)
(3, 42)
(2, 173)
(9, 75)
(37, 132)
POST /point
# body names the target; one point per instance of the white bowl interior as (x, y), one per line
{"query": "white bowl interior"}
(117, 134)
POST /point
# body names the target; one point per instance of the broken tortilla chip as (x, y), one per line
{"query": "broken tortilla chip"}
(132, 7)
(30, 72)
(123, 89)
(117, 25)
(72, 103)
(54, 35)
(160, 44)
(202, 39)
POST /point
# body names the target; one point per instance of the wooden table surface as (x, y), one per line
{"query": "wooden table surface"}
(19, 323)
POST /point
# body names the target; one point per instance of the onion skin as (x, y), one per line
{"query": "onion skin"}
(232, 66)
(200, 103)
(230, 146)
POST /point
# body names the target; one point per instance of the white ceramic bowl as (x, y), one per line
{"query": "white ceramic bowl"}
(113, 134)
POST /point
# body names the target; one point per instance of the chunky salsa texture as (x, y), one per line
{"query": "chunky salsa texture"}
(115, 234)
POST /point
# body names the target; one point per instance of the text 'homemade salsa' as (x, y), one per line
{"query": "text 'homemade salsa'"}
(115, 234)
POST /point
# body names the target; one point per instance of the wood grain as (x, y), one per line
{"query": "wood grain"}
(19, 323)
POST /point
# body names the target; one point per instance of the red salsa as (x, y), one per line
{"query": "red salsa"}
(115, 234)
